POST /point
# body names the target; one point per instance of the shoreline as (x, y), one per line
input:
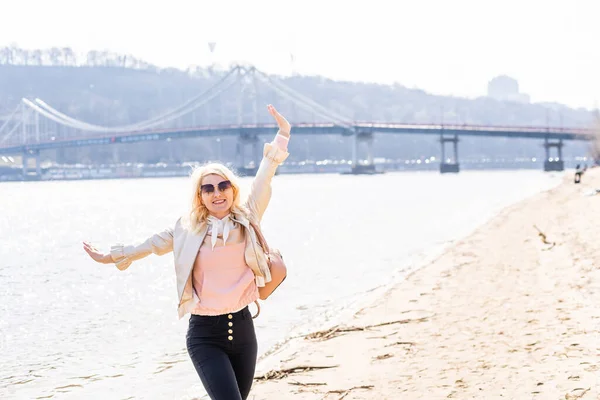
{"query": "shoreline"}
(84, 174)
(363, 300)
(432, 277)
(268, 361)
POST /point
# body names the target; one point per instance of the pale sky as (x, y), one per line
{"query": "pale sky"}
(442, 46)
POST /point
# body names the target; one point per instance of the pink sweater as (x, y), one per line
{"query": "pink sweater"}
(222, 281)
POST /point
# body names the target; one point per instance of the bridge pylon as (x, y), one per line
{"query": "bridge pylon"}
(451, 166)
(364, 137)
(551, 164)
(247, 168)
(35, 155)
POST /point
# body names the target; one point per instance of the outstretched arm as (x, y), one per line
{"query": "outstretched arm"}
(122, 256)
(274, 154)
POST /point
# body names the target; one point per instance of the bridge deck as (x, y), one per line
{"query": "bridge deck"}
(308, 129)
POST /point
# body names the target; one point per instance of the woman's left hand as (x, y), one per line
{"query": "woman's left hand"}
(284, 125)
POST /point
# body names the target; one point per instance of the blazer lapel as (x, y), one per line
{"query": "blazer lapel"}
(189, 251)
(191, 247)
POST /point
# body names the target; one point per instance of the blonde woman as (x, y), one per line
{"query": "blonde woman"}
(219, 267)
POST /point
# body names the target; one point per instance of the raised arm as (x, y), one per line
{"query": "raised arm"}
(274, 154)
(122, 256)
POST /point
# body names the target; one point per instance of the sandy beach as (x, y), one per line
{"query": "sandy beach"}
(510, 312)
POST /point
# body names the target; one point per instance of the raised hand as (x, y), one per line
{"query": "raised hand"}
(284, 125)
(97, 255)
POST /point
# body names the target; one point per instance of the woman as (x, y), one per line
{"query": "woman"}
(219, 267)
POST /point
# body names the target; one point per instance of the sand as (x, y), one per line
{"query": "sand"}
(502, 314)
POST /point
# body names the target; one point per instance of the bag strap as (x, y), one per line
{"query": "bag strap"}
(260, 237)
(262, 243)
(257, 309)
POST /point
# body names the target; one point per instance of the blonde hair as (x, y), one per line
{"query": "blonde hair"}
(198, 212)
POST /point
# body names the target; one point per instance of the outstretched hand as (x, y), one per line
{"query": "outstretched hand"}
(284, 125)
(96, 255)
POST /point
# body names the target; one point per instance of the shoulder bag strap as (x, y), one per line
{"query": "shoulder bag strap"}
(260, 237)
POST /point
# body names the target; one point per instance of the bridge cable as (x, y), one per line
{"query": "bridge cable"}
(301, 97)
(155, 121)
(56, 119)
(66, 120)
(9, 134)
(9, 119)
(145, 123)
(308, 107)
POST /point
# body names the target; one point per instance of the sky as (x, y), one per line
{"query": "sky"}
(443, 47)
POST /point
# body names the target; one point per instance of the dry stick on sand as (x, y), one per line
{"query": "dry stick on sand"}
(544, 239)
(382, 356)
(400, 344)
(282, 373)
(307, 383)
(346, 392)
(571, 396)
(336, 330)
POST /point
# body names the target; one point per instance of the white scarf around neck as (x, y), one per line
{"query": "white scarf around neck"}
(223, 226)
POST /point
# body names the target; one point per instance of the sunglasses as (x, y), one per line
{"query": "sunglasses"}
(210, 188)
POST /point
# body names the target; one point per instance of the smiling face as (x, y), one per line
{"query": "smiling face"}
(217, 195)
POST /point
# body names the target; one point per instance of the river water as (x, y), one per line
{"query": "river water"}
(71, 328)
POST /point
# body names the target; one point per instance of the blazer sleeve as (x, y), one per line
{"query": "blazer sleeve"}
(159, 244)
(274, 154)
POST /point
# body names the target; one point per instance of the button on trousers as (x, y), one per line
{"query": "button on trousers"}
(223, 349)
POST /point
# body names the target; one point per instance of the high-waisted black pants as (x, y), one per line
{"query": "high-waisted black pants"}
(223, 349)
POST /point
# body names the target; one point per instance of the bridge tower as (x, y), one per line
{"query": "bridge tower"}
(29, 154)
(249, 86)
(35, 155)
(243, 168)
(452, 166)
(553, 164)
(363, 137)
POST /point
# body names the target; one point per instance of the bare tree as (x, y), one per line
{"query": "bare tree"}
(68, 56)
(55, 55)
(36, 57)
(17, 55)
(11, 54)
(26, 56)
(92, 58)
(4, 55)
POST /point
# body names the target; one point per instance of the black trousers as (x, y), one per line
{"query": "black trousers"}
(223, 350)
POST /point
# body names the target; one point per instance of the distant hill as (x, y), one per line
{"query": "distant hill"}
(112, 89)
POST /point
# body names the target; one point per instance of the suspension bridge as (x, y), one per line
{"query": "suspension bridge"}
(35, 126)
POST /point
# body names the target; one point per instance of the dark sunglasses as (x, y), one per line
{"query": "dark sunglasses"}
(210, 188)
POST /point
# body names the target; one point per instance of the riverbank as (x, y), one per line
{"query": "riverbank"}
(508, 312)
(82, 172)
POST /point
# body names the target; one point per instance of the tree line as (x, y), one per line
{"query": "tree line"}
(66, 57)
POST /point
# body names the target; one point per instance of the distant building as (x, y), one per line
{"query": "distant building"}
(505, 88)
